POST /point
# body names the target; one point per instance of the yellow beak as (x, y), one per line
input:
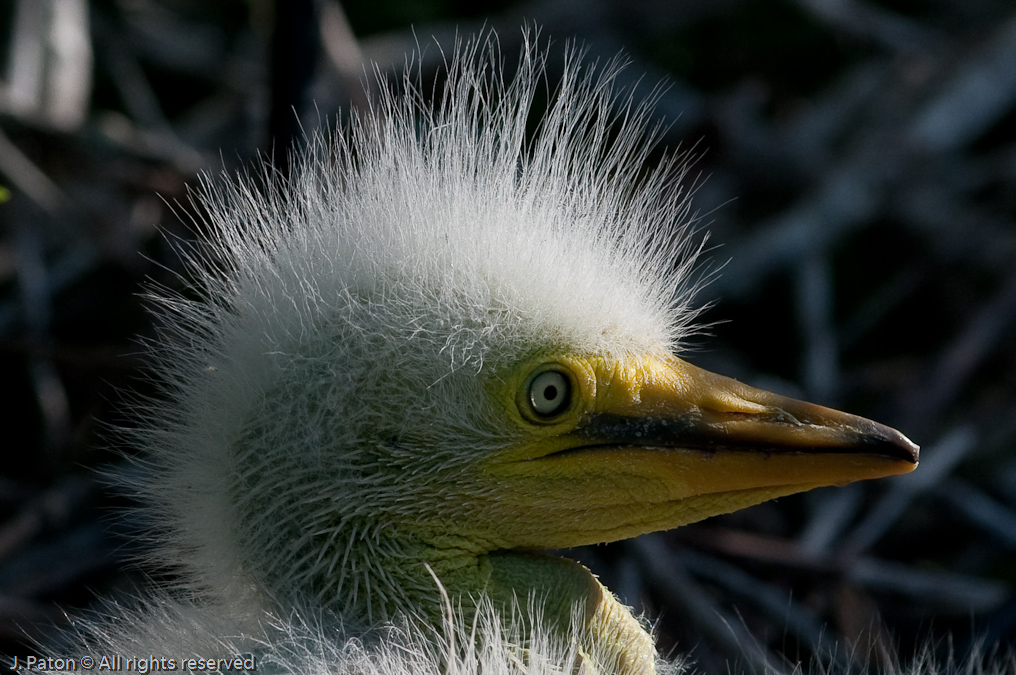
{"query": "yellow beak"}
(673, 404)
(663, 443)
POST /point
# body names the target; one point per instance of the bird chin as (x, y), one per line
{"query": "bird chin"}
(597, 493)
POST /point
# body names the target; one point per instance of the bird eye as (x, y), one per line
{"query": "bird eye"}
(550, 393)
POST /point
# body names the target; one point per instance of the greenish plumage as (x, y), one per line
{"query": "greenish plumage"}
(442, 344)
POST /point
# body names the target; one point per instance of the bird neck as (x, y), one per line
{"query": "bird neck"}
(610, 638)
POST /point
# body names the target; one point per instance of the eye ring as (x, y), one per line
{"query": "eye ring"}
(549, 394)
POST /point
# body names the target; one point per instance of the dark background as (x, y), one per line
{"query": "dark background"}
(856, 164)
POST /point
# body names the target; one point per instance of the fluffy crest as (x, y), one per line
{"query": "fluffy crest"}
(448, 215)
(402, 267)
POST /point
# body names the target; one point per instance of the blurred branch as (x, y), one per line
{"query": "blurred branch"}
(696, 606)
(982, 511)
(36, 308)
(937, 462)
(968, 350)
(29, 178)
(344, 54)
(49, 76)
(861, 19)
(981, 91)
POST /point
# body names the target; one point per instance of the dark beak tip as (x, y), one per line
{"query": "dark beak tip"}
(904, 448)
(886, 441)
(915, 451)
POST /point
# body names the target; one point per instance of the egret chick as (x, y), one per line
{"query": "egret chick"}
(444, 345)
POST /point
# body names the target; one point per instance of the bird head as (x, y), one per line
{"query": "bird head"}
(443, 341)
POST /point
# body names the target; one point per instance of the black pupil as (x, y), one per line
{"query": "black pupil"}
(550, 393)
